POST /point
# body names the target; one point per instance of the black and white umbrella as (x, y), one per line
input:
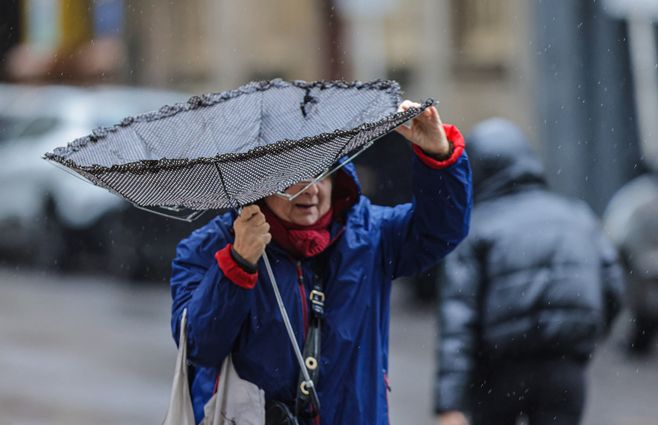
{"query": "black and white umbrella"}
(229, 149)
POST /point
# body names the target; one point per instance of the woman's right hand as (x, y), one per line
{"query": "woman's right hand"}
(252, 234)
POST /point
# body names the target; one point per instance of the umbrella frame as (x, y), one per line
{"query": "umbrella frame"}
(188, 211)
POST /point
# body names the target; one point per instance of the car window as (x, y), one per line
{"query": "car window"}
(38, 127)
(107, 122)
(10, 127)
(19, 127)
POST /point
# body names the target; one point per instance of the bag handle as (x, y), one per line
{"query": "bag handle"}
(180, 402)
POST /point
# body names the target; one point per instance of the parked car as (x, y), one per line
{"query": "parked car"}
(48, 217)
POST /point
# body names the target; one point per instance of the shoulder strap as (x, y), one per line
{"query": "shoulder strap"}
(305, 406)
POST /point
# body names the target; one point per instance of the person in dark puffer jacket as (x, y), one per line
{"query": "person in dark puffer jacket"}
(527, 295)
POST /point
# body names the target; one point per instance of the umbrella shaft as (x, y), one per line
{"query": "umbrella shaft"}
(286, 320)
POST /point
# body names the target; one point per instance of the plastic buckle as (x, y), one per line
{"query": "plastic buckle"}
(317, 297)
(317, 301)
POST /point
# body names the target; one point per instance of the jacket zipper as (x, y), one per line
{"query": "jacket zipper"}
(302, 296)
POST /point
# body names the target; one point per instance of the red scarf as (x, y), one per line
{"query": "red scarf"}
(300, 241)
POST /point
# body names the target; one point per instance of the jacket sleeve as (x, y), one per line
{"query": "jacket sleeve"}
(216, 307)
(416, 235)
(459, 310)
(612, 277)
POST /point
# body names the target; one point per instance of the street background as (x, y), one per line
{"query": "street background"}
(84, 304)
(88, 349)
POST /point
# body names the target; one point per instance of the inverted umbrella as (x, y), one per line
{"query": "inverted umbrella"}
(230, 149)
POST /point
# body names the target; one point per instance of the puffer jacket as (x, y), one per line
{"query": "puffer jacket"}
(373, 246)
(535, 278)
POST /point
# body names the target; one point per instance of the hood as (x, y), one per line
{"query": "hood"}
(346, 190)
(501, 159)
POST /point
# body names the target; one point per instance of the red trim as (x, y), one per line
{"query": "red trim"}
(386, 391)
(233, 271)
(302, 296)
(455, 137)
(214, 391)
(388, 384)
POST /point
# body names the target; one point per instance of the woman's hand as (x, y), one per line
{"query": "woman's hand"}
(452, 418)
(426, 131)
(252, 234)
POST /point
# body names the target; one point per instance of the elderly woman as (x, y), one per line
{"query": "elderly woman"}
(330, 241)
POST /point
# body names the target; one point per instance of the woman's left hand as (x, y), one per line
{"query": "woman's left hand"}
(426, 130)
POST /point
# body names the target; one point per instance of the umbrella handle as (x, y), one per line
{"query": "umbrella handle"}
(291, 333)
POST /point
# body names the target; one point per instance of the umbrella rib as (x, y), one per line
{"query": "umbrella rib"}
(197, 142)
(148, 150)
(260, 140)
(223, 182)
(291, 333)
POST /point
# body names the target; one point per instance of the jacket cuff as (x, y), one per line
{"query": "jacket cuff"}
(232, 269)
(455, 138)
(243, 262)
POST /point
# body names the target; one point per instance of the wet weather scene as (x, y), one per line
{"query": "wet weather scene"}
(329, 212)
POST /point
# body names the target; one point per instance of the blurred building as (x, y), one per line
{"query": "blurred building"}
(72, 41)
(473, 54)
(586, 96)
(9, 30)
(560, 69)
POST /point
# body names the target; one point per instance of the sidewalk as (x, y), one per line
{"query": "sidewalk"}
(89, 350)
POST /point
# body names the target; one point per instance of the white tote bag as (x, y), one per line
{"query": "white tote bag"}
(236, 402)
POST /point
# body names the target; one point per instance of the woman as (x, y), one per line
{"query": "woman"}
(329, 239)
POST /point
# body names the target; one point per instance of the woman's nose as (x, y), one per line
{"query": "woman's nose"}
(313, 189)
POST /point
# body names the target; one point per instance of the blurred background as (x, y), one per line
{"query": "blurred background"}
(84, 306)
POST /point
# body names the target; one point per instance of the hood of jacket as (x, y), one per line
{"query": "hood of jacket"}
(346, 189)
(502, 160)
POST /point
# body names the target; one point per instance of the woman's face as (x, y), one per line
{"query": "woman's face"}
(305, 209)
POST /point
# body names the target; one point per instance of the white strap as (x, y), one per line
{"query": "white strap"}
(180, 403)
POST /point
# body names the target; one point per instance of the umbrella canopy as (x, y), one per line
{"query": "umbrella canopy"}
(233, 148)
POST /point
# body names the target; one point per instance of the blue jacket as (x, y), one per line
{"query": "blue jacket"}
(377, 245)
